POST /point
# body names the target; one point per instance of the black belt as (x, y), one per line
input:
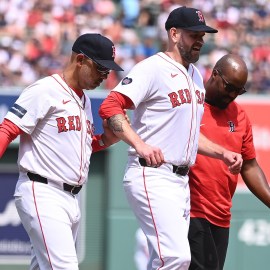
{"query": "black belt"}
(181, 170)
(38, 178)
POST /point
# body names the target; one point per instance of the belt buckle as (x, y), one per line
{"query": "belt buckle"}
(182, 170)
(73, 188)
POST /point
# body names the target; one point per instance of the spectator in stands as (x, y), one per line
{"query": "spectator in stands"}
(243, 25)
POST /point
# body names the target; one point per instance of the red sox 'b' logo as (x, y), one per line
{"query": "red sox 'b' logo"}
(231, 126)
(200, 15)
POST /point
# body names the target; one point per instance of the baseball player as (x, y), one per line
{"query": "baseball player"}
(54, 118)
(211, 185)
(167, 94)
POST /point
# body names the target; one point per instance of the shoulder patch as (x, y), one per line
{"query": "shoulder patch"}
(18, 110)
(126, 81)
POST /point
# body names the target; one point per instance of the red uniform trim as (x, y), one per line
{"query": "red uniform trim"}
(114, 104)
(8, 132)
(39, 221)
(95, 144)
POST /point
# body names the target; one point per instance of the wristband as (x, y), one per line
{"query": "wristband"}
(100, 142)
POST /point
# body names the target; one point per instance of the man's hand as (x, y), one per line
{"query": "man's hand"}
(152, 154)
(233, 160)
(120, 126)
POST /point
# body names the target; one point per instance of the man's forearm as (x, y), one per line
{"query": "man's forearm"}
(210, 149)
(256, 181)
(122, 129)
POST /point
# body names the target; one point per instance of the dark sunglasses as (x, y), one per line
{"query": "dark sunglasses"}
(230, 88)
(101, 69)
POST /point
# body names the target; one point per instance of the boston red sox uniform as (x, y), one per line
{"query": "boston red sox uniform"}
(54, 118)
(55, 114)
(168, 105)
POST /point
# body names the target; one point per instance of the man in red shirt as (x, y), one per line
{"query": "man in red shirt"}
(211, 184)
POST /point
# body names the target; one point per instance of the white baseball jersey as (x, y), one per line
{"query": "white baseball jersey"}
(61, 129)
(168, 102)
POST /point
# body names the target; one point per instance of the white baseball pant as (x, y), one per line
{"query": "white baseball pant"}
(51, 218)
(160, 200)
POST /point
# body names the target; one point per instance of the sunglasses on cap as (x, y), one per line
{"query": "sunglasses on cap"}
(102, 70)
(230, 88)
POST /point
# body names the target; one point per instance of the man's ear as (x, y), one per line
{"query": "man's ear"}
(214, 73)
(173, 33)
(80, 58)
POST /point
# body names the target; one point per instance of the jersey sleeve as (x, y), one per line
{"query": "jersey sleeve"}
(114, 104)
(248, 149)
(31, 106)
(141, 82)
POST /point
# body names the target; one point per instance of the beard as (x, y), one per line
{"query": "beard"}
(190, 56)
(218, 101)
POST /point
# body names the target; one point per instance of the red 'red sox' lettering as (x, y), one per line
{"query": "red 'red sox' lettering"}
(90, 128)
(183, 96)
(200, 97)
(73, 123)
(174, 99)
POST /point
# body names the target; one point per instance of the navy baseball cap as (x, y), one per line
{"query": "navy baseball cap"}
(189, 19)
(98, 48)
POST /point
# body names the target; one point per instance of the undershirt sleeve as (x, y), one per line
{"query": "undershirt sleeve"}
(95, 144)
(8, 132)
(114, 104)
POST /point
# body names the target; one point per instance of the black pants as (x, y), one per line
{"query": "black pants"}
(208, 245)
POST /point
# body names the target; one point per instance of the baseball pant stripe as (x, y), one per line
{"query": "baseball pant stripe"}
(149, 204)
(160, 201)
(49, 259)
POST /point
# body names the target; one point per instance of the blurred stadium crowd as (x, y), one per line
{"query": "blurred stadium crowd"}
(36, 35)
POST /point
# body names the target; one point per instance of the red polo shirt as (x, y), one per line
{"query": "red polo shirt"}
(211, 184)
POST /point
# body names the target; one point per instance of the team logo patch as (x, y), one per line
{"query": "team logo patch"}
(200, 15)
(126, 81)
(18, 110)
(231, 126)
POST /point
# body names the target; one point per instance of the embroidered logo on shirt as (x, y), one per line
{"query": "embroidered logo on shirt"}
(126, 81)
(18, 110)
(231, 126)
(66, 101)
(173, 75)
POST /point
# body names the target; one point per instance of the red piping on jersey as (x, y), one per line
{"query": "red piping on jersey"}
(45, 244)
(191, 116)
(155, 226)
(81, 132)
(187, 159)
(62, 85)
(196, 102)
(81, 146)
